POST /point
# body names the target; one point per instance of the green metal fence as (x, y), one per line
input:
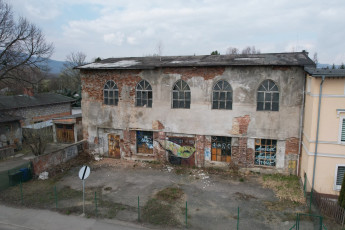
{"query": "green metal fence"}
(318, 225)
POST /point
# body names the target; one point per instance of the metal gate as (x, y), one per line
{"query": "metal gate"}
(114, 146)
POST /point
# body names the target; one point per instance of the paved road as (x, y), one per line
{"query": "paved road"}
(34, 219)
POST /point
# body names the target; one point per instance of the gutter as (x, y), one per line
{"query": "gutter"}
(301, 127)
(317, 139)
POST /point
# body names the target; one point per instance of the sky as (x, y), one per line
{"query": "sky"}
(135, 28)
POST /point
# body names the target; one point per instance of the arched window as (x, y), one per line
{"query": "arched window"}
(268, 96)
(181, 95)
(222, 95)
(143, 94)
(110, 93)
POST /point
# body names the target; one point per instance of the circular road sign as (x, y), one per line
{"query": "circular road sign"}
(84, 172)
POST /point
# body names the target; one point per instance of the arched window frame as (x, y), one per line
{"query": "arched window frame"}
(143, 94)
(267, 96)
(222, 95)
(110, 93)
(181, 95)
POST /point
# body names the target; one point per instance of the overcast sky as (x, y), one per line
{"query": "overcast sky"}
(118, 28)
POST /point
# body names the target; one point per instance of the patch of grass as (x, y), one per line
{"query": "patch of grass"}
(157, 213)
(181, 170)
(285, 187)
(241, 179)
(170, 194)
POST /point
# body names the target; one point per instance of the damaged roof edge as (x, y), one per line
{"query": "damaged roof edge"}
(270, 59)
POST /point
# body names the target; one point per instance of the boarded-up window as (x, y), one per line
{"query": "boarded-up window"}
(221, 149)
(265, 152)
(145, 142)
(339, 177)
(222, 96)
(268, 96)
(110, 93)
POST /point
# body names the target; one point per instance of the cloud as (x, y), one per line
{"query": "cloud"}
(188, 27)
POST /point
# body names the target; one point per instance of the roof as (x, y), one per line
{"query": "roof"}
(22, 101)
(39, 125)
(275, 59)
(8, 118)
(73, 116)
(315, 72)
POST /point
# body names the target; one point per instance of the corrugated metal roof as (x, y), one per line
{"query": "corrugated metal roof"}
(315, 72)
(22, 101)
(275, 59)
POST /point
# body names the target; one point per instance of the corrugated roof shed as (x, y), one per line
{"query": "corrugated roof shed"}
(315, 72)
(22, 101)
(270, 59)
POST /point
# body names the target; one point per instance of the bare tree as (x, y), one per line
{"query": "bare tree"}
(38, 139)
(232, 50)
(70, 77)
(250, 50)
(22, 47)
(315, 59)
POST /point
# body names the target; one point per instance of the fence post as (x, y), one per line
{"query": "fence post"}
(55, 194)
(186, 215)
(21, 192)
(321, 223)
(238, 216)
(138, 210)
(96, 201)
(305, 185)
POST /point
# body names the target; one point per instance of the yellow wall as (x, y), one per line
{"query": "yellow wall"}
(330, 152)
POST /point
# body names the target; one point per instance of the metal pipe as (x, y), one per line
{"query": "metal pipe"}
(317, 140)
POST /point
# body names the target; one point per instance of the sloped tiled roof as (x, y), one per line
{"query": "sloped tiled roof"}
(8, 118)
(315, 72)
(22, 101)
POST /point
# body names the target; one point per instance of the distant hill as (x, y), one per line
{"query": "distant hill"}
(55, 66)
(324, 66)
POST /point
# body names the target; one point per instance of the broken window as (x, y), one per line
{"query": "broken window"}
(181, 95)
(221, 149)
(110, 93)
(143, 94)
(265, 152)
(268, 96)
(145, 142)
(222, 96)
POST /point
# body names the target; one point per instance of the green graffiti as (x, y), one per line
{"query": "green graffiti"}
(185, 151)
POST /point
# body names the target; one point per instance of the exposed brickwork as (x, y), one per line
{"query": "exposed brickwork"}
(189, 72)
(291, 145)
(250, 157)
(240, 125)
(239, 153)
(51, 116)
(128, 141)
(158, 151)
(157, 125)
(93, 82)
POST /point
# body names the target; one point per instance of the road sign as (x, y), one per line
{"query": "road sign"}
(84, 172)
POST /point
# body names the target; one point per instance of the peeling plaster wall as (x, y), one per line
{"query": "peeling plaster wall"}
(242, 121)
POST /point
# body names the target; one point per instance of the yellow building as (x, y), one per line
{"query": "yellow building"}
(323, 142)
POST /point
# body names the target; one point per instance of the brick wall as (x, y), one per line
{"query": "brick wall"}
(47, 161)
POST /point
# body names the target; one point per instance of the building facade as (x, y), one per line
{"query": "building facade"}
(197, 110)
(323, 152)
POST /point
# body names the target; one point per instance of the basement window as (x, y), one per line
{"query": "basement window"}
(265, 152)
(222, 96)
(143, 94)
(221, 149)
(181, 95)
(110, 93)
(339, 176)
(268, 96)
(145, 142)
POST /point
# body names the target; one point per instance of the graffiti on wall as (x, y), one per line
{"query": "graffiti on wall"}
(144, 142)
(207, 154)
(265, 152)
(179, 148)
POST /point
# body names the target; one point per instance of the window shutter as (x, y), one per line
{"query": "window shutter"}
(340, 175)
(343, 130)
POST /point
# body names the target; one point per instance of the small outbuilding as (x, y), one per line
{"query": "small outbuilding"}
(68, 129)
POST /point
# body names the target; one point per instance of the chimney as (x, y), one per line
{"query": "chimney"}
(29, 92)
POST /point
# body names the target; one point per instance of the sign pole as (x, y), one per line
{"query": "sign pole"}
(84, 197)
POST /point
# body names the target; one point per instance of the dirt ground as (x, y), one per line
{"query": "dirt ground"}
(115, 188)
(212, 199)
